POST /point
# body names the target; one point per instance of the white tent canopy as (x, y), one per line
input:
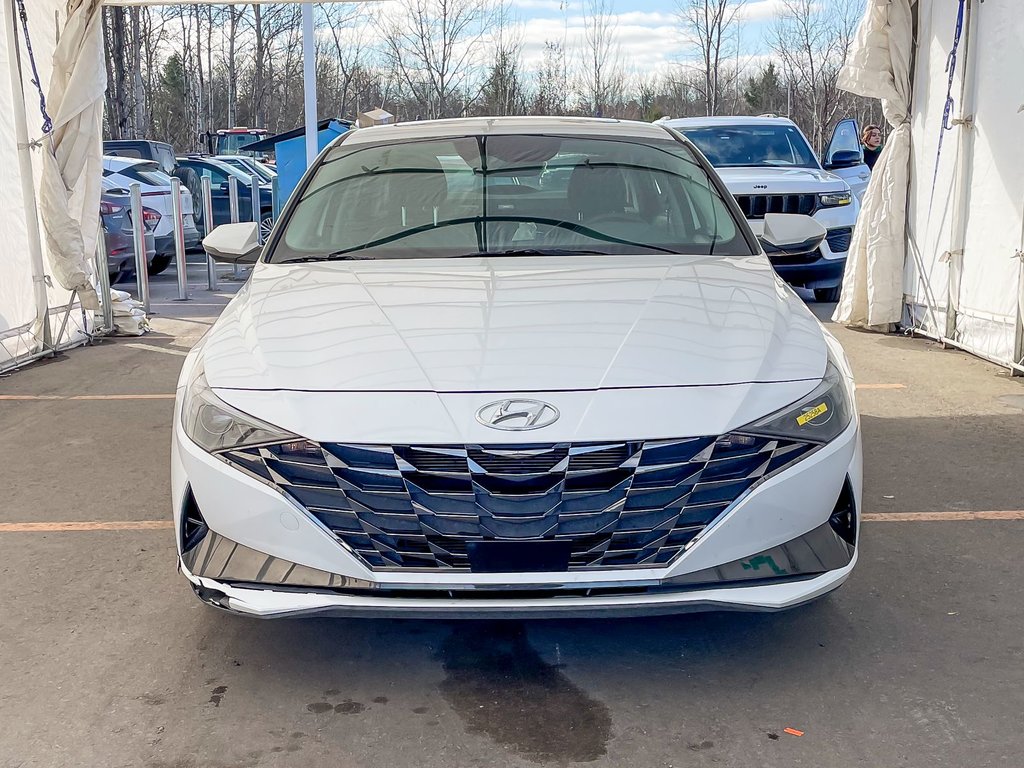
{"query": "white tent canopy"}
(939, 242)
(33, 307)
(56, 182)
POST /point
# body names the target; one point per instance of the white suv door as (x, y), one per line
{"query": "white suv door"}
(844, 157)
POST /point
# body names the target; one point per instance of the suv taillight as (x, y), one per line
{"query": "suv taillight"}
(107, 209)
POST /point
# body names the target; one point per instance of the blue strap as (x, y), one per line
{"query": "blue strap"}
(947, 110)
(36, 81)
(951, 66)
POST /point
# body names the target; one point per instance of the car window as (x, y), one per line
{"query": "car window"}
(124, 152)
(490, 195)
(165, 157)
(217, 176)
(732, 146)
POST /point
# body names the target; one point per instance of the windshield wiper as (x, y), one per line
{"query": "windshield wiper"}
(337, 256)
(532, 252)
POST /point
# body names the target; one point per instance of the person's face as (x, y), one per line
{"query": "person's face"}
(873, 139)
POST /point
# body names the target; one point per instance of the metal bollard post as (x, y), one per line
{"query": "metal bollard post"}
(139, 237)
(254, 189)
(211, 265)
(233, 209)
(103, 281)
(179, 239)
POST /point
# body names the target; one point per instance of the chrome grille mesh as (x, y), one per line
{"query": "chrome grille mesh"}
(612, 504)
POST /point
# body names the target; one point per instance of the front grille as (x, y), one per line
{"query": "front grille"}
(756, 206)
(839, 239)
(609, 504)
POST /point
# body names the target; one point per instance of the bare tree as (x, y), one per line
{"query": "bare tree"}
(601, 77)
(550, 93)
(435, 47)
(714, 26)
(811, 41)
(504, 92)
(349, 50)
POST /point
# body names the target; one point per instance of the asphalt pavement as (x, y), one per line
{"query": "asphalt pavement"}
(108, 659)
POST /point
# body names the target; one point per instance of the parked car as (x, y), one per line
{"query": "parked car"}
(514, 399)
(249, 165)
(768, 165)
(116, 221)
(219, 173)
(156, 194)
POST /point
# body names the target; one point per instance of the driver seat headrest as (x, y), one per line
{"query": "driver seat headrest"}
(596, 190)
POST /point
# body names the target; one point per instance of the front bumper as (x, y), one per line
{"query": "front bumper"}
(268, 602)
(250, 515)
(164, 244)
(823, 273)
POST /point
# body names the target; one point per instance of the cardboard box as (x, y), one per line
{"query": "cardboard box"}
(374, 117)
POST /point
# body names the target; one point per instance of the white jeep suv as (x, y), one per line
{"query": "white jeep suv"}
(768, 165)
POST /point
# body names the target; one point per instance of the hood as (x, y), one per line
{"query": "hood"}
(535, 324)
(779, 181)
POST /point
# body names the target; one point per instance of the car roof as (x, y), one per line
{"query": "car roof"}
(205, 159)
(718, 122)
(472, 126)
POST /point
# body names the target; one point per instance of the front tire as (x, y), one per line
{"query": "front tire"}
(828, 295)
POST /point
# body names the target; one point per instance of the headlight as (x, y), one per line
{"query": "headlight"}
(216, 426)
(835, 199)
(818, 418)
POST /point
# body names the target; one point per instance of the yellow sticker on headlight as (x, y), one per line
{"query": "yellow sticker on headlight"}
(812, 414)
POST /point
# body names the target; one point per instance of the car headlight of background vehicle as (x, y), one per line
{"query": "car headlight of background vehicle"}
(835, 199)
(215, 426)
(819, 417)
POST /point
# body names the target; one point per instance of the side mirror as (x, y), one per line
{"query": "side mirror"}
(234, 243)
(844, 158)
(791, 233)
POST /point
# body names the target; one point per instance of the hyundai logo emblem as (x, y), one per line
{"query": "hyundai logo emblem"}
(517, 415)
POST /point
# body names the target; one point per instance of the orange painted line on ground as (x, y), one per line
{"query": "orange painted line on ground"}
(88, 397)
(881, 386)
(939, 517)
(50, 527)
(161, 525)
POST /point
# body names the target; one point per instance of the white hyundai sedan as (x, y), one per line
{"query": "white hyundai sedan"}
(514, 367)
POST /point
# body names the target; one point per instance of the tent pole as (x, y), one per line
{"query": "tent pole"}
(28, 189)
(309, 81)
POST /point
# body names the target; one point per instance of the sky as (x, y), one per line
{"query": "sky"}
(648, 30)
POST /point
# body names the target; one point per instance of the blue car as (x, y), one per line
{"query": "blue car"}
(219, 173)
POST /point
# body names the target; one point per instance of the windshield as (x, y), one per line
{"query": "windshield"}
(734, 146)
(505, 194)
(249, 166)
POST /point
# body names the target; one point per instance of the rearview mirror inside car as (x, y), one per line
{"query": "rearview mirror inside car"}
(234, 243)
(843, 158)
(791, 233)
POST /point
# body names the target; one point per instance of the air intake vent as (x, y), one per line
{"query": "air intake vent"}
(193, 526)
(839, 239)
(844, 516)
(756, 206)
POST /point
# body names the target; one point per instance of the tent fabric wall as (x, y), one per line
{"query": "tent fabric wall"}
(879, 67)
(22, 299)
(966, 209)
(20, 335)
(70, 192)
